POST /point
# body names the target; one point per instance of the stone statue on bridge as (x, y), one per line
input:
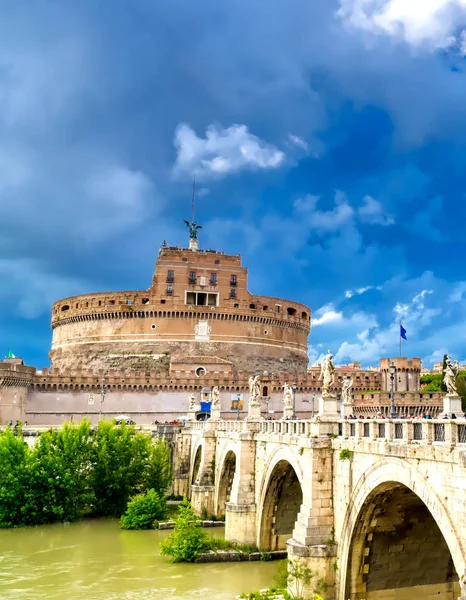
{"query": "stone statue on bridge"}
(346, 389)
(451, 373)
(254, 407)
(287, 396)
(215, 397)
(327, 374)
(254, 390)
(287, 400)
(192, 402)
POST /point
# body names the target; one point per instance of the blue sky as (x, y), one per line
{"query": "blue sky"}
(328, 139)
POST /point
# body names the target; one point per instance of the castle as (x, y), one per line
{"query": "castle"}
(143, 353)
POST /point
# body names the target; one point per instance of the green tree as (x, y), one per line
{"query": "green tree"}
(159, 471)
(188, 540)
(120, 458)
(144, 510)
(14, 471)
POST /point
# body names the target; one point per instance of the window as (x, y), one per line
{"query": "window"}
(213, 279)
(233, 293)
(202, 298)
(200, 371)
(145, 300)
(265, 307)
(153, 326)
(111, 302)
(278, 308)
(65, 307)
(100, 302)
(170, 276)
(128, 302)
(236, 306)
(192, 277)
(252, 306)
(217, 262)
(291, 311)
(184, 259)
(162, 301)
(169, 289)
(233, 280)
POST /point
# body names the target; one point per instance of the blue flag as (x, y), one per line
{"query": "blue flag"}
(403, 332)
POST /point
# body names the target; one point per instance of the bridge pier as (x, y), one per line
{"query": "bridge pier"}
(203, 486)
(313, 545)
(240, 517)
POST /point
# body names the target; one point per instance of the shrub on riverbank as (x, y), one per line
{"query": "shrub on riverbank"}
(188, 540)
(77, 471)
(144, 511)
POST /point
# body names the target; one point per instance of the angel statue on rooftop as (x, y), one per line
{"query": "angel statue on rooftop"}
(193, 227)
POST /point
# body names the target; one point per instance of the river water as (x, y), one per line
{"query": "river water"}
(95, 560)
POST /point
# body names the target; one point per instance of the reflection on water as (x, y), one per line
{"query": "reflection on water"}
(95, 560)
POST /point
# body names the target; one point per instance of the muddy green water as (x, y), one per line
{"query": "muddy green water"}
(95, 560)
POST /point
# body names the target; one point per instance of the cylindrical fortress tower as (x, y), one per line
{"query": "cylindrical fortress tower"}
(407, 376)
(198, 305)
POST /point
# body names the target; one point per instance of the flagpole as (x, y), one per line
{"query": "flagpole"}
(400, 338)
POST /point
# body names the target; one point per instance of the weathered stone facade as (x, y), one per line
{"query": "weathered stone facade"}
(376, 508)
(198, 304)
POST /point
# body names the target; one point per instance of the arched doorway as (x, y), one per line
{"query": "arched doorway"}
(196, 465)
(397, 550)
(225, 482)
(282, 503)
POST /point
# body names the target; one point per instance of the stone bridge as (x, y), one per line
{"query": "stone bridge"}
(376, 508)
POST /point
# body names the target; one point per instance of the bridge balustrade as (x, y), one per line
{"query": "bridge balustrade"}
(402, 431)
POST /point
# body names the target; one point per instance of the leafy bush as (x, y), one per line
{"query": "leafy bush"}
(345, 454)
(76, 471)
(188, 540)
(144, 510)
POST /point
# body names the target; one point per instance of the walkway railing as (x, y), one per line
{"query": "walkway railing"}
(400, 430)
(426, 431)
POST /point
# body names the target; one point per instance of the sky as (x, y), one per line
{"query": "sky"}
(328, 140)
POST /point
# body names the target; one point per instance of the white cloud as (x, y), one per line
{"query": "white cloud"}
(434, 23)
(299, 142)
(222, 151)
(324, 221)
(458, 292)
(362, 290)
(325, 315)
(372, 212)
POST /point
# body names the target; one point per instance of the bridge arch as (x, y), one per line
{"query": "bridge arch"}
(196, 460)
(226, 474)
(397, 535)
(280, 499)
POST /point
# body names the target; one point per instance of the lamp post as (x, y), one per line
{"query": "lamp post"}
(103, 391)
(294, 387)
(392, 369)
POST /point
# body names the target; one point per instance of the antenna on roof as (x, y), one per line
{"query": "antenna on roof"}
(193, 226)
(193, 199)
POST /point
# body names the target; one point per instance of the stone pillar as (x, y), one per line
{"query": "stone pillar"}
(452, 404)
(312, 544)
(203, 489)
(321, 560)
(240, 518)
(287, 413)
(181, 464)
(346, 409)
(328, 408)
(254, 412)
(215, 414)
